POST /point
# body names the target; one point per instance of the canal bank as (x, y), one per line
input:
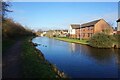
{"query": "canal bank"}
(85, 42)
(35, 65)
(99, 40)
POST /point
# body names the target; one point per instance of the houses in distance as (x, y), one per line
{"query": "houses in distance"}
(56, 33)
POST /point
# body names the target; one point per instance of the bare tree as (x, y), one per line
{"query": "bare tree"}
(5, 8)
(0, 13)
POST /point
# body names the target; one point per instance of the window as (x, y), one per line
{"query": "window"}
(91, 28)
(83, 34)
(83, 29)
(91, 34)
(88, 28)
(88, 34)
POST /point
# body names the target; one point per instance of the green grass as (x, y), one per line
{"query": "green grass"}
(72, 40)
(34, 66)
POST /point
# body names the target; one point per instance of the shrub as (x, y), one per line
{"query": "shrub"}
(11, 29)
(117, 39)
(101, 40)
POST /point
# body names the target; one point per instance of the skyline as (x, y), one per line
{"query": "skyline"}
(59, 15)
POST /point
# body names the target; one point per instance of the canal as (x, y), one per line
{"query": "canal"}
(79, 61)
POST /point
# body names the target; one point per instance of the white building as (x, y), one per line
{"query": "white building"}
(73, 30)
(118, 26)
(42, 34)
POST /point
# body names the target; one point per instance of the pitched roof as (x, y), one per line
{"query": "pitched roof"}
(90, 23)
(75, 26)
(118, 20)
(65, 30)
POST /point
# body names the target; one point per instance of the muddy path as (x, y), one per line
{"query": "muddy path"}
(11, 61)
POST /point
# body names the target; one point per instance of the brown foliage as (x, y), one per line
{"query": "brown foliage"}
(10, 29)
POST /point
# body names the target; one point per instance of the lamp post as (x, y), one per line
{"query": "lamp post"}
(80, 32)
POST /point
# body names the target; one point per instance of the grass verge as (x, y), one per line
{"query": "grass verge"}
(72, 40)
(34, 66)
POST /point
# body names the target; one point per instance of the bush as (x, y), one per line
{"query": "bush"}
(10, 29)
(101, 40)
(117, 40)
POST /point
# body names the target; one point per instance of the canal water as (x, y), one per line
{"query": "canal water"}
(79, 61)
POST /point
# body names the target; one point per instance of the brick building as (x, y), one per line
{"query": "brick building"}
(87, 30)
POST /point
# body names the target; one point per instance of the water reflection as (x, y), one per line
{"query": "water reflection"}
(101, 56)
(117, 55)
(80, 60)
(72, 47)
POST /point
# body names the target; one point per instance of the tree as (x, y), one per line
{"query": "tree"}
(4, 10)
(0, 13)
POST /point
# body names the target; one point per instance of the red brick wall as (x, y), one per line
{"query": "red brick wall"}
(77, 31)
(101, 25)
(118, 32)
(72, 36)
(87, 32)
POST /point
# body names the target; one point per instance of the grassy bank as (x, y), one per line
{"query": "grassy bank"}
(34, 65)
(72, 40)
(11, 32)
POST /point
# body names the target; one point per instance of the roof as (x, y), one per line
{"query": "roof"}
(65, 30)
(75, 26)
(90, 23)
(118, 20)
